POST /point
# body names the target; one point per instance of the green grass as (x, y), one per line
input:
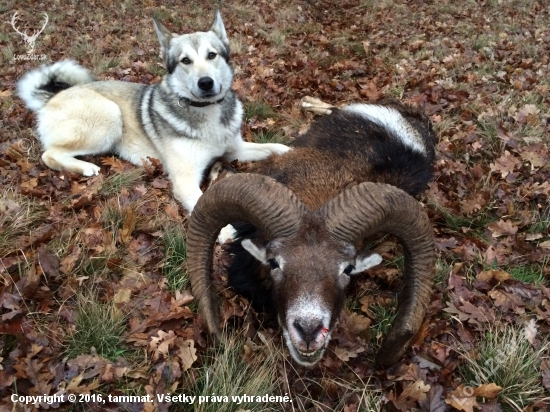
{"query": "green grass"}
(115, 183)
(226, 372)
(113, 215)
(174, 268)
(108, 63)
(384, 318)
(504, 356)
(529, 274)
(477, 222)
(365, 396)
(270, 136)
(259, 110)
(541, 222)
(442, 271)
(369, 398)
(99, 325)
(19, 214)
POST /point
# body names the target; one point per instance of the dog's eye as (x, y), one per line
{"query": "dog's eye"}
(273, 263)
(211, 56)
(349, 269)
(186, 60)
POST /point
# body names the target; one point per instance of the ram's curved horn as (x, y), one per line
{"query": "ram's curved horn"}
(260, 200)
(369, 208)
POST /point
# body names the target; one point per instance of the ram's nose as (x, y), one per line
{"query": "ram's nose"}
(308, 330)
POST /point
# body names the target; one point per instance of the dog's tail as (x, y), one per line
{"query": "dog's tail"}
(40, 85)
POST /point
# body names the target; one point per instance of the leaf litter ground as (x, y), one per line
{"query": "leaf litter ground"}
(71, 246)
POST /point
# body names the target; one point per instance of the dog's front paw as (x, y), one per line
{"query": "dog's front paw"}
(90, 170)
(228, 232)
(279, 149)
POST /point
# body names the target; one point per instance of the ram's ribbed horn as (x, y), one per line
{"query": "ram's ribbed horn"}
(369, 208)
(262, 201)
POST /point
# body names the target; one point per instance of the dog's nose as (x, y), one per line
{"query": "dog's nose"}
(206, 84)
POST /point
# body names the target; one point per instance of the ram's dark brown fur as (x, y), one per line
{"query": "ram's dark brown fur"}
(309, 210)
(339, 151)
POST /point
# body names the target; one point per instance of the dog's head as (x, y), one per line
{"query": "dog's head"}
(197, 63)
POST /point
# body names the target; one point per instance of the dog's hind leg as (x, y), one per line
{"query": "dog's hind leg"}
(60, 159)
(78, 122)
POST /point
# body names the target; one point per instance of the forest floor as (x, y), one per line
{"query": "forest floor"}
(94, 295)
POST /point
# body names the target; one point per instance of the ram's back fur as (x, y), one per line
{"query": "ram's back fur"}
(339, 151)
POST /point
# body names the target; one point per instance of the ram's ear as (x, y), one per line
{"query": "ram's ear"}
(366, 260)
(256, 250)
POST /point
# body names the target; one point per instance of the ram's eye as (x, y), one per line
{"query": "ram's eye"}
(186, 60)
(273, 263)
(211, 56)
(349, 269)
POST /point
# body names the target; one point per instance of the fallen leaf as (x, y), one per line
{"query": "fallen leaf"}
(187, 353)
(415, 392)
(463, 399)
(160, 345)
(531, 331)
(498, 275)
(488, 391)
(345, 354)
(502, 228)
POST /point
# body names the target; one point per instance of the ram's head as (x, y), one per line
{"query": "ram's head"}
(312, 253)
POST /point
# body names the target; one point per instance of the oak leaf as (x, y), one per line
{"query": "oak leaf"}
(186, 352)
(502, 228)
(463, 399)
(159, 346)
(499, 275)
(345, 354)
(505, 164)
(505, 300)
(415, 392)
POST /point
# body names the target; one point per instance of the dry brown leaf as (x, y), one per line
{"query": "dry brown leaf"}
(415, 392)
(488, 391)
(528, 114)
(160, 345)
(187, 353)
(545, 368)
(122, 296)
(463, 399)
(74, 383)
(531, 331)
(357, 324)
(502, 228)
(505, 164)
(128, 226)
(345, 354)
(505, 300)
(499, 275)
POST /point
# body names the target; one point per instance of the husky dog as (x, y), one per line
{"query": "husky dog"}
(187, 121)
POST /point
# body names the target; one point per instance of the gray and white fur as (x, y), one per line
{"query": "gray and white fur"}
(187, 121)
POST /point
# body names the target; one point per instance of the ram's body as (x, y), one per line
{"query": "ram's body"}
(307, 215)
(339, 151)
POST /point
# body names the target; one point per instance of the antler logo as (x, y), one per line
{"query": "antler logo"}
(29, 40)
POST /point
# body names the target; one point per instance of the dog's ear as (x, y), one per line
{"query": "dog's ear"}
(164, 36)
(219, 30)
